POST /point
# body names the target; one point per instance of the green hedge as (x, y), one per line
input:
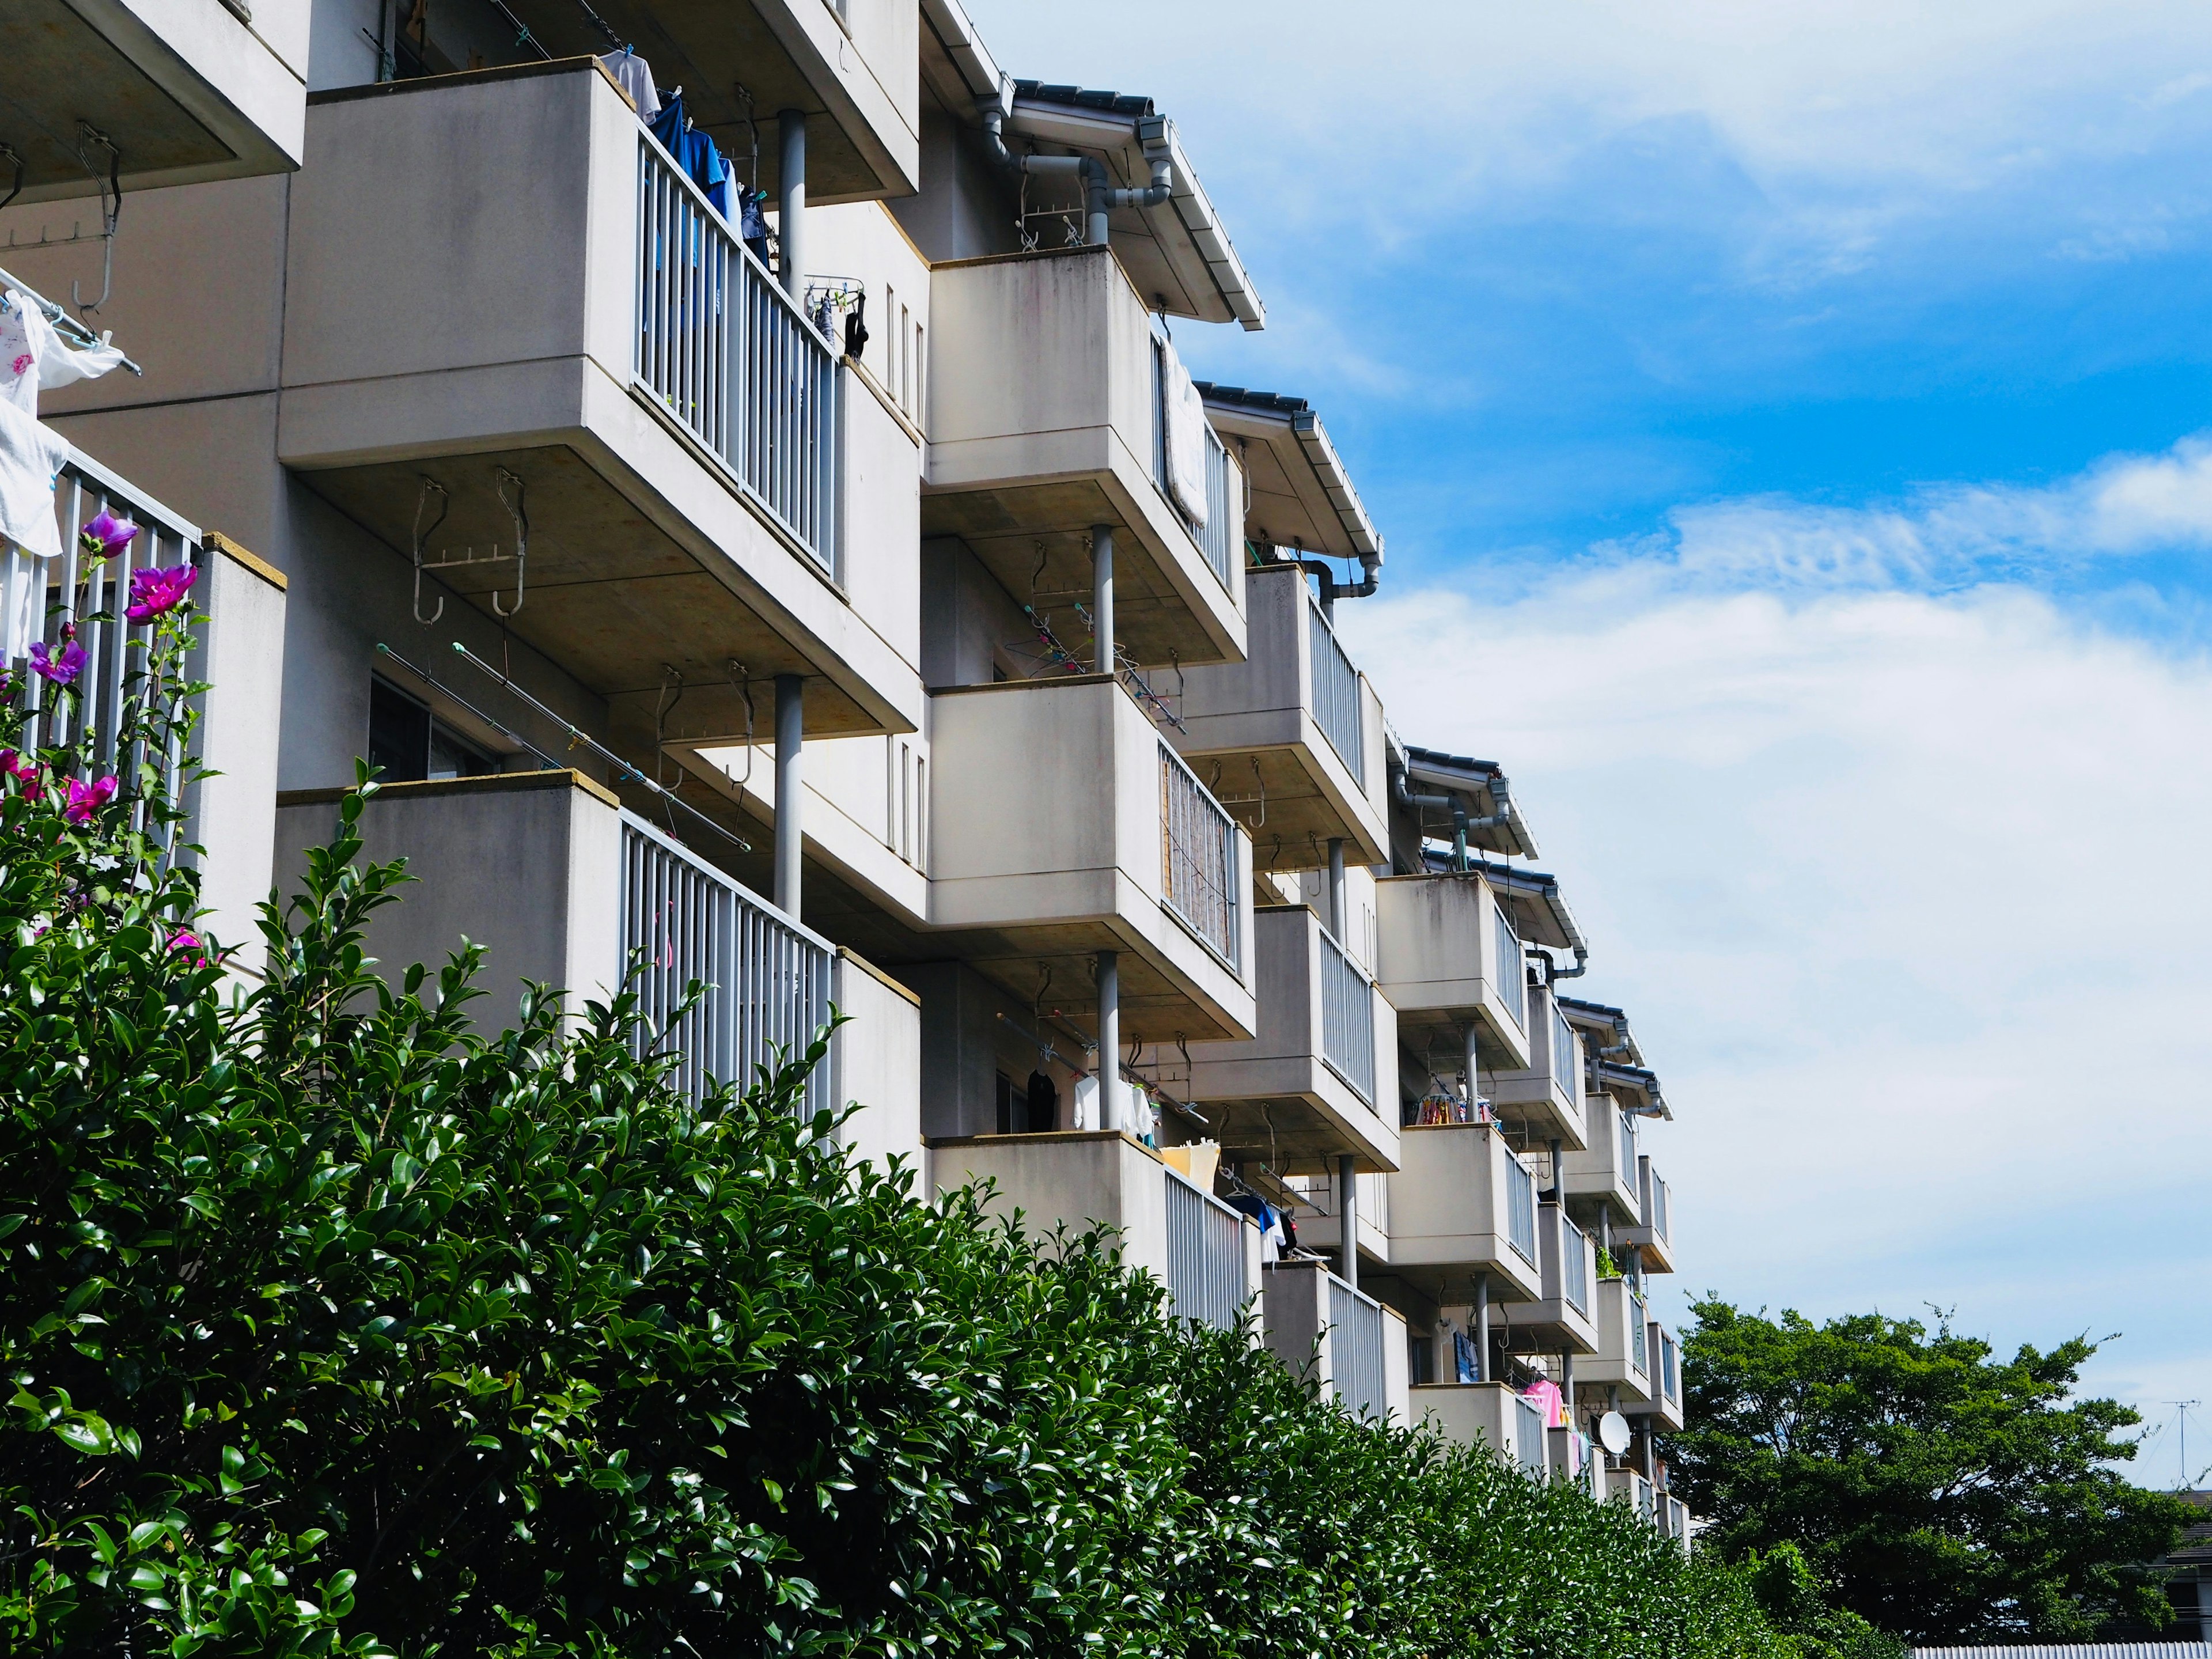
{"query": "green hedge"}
(334, 1326)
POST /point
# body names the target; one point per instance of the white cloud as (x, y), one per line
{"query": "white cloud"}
(1906, 897)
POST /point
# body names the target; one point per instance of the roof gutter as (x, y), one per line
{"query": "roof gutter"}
(1153, 132)
(964, 47)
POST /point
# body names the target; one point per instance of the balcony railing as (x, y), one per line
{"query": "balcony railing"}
(1205, 1256)
(1528, 1428)
(1347, 1019)
(1574, 1266)
(770, 976)
(732, 359)
(1336, 695)
(81, 597)
(1670, 1369)
(1198, 857)
(1658, 1206)
(1628, 1151)
(1562, 1051)
(1521, 1208)
(1355, 1349)
(1221, 538)
(1512, 977)
(1638, 1324)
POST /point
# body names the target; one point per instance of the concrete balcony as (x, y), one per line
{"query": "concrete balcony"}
(1608, 1170)
(174, 94)
(849, 65)
(1351, 1345)
(509, 321)
(1447, 956)
(1629, 1488)
(1462, 1202)
(560, 885)
(1486, 1414)
(1043, 422)
(1561, 1319)
(1653, 1235)
(1547, 1097)
(1316, 1081)
(1206, 1254)
(1663, 1355)
(1064, 825)
(1622, 1360)
(1292, 737)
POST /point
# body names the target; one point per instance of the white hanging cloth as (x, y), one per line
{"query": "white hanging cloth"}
(1087, 1102)
(1186, 445)
(635, 77)
(34, 355)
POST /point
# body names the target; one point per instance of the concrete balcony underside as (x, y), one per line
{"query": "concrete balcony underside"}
(1622, 1360)
(1451, 1216)
(1041, 424)
(1437, 959)
(502, 335)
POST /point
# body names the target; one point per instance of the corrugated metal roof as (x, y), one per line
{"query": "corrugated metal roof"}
(2092, 1650)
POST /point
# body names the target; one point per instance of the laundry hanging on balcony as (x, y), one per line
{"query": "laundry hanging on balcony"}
(31, 458)
(635, 77)
(693, 151)
(33, 353)
(1184, 410)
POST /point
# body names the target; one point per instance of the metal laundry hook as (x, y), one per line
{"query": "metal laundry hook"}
(514, 511)
(7, 151)
(110, 213)
(430, 486)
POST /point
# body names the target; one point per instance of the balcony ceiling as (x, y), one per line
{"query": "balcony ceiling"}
(709, 48)
(1301, 495)
(611, 596)
(59, 70)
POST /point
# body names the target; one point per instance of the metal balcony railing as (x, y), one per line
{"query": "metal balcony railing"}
(1520, 1207)
(1638, 1319)
(1198, 857)
(768, 976)
(1223, 533)
(1574, 1266)
(1563, 1053)
(1512, 975)
(1658, 1206)
(1670, 1369)
(1347, 1019)
(1205, 1256)
(1336, 694)
(729, 355)
(1628, 1151)
(79, 598)
(1355, 1346)
(1529, 1440)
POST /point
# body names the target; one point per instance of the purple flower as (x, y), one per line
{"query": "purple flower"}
(86, 799)
(21, 768)
(183, 939)
(62, 667)
(153, 592)
(105, 536)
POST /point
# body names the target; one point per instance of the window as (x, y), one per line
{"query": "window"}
(410, 745)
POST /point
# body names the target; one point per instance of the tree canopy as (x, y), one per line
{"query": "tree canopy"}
(1940, 1492)
(334, 1323)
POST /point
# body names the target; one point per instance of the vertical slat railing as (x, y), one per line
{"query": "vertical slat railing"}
(768, 977)
(1638, 1319)
(1223, 533)
(1336, 694)
(1347, 1019)
(1528, 1434)
(1574, 1266)
(1628, 1151)
(1512, 972)
(1355, 1346)
(1563, 1053)
(1198, 857)
(1659, 1196)
(733, 359)
(1520, 1205)
(1205, 1256)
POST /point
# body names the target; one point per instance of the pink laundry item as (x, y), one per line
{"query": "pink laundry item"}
(1548, 1398)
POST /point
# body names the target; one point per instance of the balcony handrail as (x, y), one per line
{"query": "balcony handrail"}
(1574, 1265)
(1639, 1336)
(1356, 1347)
(1198, 877)
(1628, 1149)
(1348, 1017)
(1660, 1226)
(1206, 1255)
(1512, 972)
(86, 592)
(682, 919)
(1335, 690)
(1528, 1435)
(1563, 1053)
(733, 359)
(1520, 1205)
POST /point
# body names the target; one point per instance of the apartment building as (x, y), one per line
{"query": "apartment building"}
(734, 470)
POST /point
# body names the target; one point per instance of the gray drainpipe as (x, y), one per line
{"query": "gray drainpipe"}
(1098, 195)
(1461, 823)
(1332, 590)
(791, 202)
(1553, 973)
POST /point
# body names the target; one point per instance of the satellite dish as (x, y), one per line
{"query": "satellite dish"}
(1612, 1433)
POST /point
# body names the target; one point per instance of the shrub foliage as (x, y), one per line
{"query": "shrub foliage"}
(334, 1324)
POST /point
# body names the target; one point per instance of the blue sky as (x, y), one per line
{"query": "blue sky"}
(1792, 428)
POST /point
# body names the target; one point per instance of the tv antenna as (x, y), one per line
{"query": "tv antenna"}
(2182, 1408)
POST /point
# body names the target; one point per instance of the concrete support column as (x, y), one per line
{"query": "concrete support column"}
(1482, 1327)
(1102, 598)
(791, 198)
(1567, 1386)
(1469, 1060)
(1336, 918)
(1109, 971)
(1347, 1217)
(790, 733)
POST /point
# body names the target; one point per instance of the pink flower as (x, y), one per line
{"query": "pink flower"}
(183, 939)
(62, 667)
(105, 536)
(21, 365)
(86, 799)
(21, 768)
(153, 592)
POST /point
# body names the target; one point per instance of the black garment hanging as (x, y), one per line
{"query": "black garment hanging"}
(1044, 1095)
(856, 340)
